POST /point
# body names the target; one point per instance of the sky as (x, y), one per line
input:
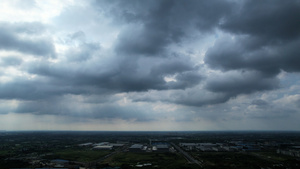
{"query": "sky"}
(151, 65)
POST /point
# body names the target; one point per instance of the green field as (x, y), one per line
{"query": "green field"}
(273, 156)
(4, 152)
(79, 155)
(157, 160)
(249, 160)
(229, 160)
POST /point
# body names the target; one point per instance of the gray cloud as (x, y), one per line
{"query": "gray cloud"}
(241, 83)
(18, 90)
(31, 28)
(217, 89)
(65, 106)
(160, 23)
(186, 80)
(235, 54)
(82, 52)
(266, 38)
(259, 102)
(80, 35)
(139, 50)
(272, 20)
(10, 61)
(195, 97)
(123, 77)
(10, 39)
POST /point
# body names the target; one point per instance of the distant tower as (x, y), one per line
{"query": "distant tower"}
(150, 142)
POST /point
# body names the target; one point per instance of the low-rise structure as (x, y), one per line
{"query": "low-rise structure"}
(104, 147)
(162, 148)
(136, 148)
(85, 144)
(291, 151)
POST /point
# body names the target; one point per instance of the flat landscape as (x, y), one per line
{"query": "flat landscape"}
(191, 150)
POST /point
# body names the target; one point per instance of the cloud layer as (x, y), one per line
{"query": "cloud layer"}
(218, 62)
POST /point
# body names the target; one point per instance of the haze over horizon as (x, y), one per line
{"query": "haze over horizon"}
(151, 65)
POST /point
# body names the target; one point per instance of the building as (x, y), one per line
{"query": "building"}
(291, 151)
(104, 147)
(102, 144)
(162, 148)
(136, 148)
(59, 163)
(116, 145)
(107, 145)
(85, 144)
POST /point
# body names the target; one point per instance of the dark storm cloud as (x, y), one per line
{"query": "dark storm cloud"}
(160, 23)
(228, 54)
(122, 77)
(18, 90)
(267, 37)
(153, 25)
(36, 89)
(243, 83)
(274, 20)
(217, 89)
(171, 67)
(11, 39)
(264, 38)
(235, 54)
(186, 80)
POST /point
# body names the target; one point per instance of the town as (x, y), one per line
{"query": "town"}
(117, 150)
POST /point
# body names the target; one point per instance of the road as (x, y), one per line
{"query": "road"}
(93, 163)
(186, 155)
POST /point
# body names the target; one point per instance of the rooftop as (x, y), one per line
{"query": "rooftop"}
(137, 146)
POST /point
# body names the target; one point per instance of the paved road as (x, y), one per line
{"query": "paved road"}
(186, 155)
(93, 163)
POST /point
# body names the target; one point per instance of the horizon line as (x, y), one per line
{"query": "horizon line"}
(150, 130)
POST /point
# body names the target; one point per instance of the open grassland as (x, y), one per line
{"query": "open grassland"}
(84, 155)
(157, 160)
(249, 160)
